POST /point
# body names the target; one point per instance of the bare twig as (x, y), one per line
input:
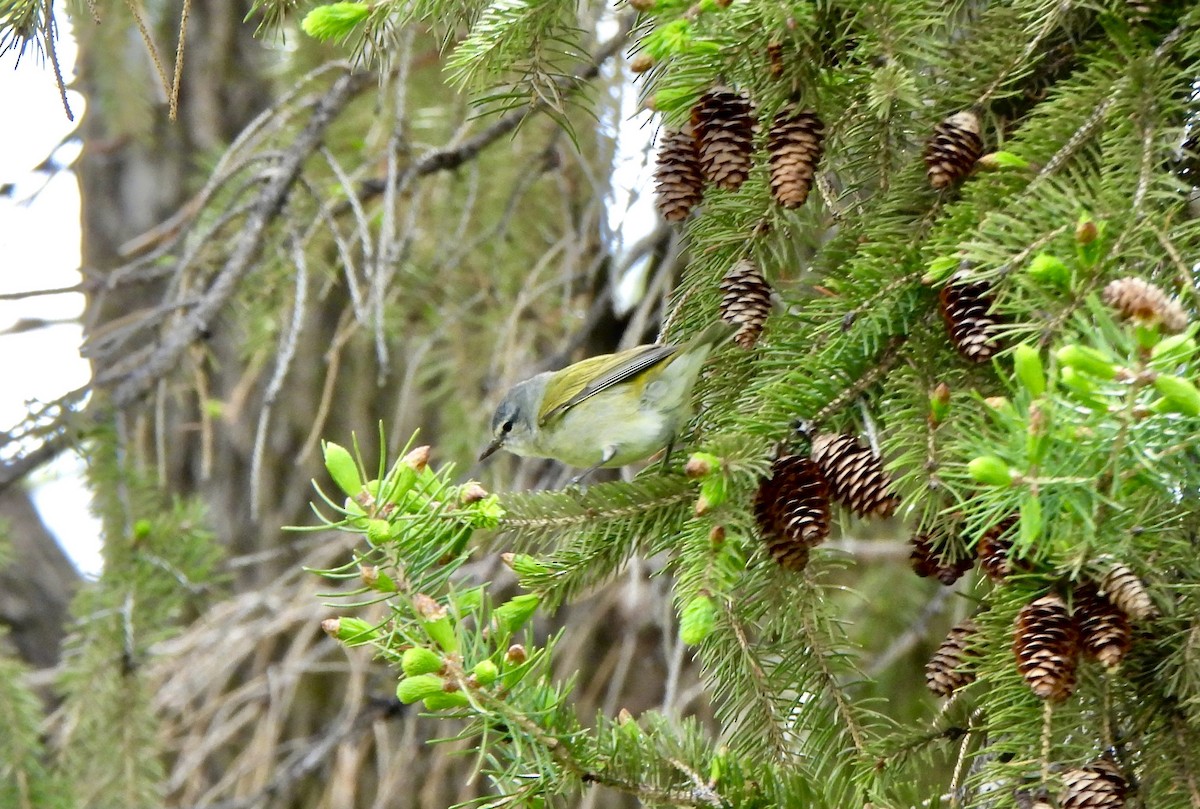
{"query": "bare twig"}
(166, 235)
(34, 293)
(173, 112)
(151, 49)
(915, 633)
(363, 230)
(241, 258)
(52, 52)
(47, 451)
(52, 426)
(1183, 272)
(283, 362)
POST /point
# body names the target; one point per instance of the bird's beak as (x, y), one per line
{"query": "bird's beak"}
(497, 442)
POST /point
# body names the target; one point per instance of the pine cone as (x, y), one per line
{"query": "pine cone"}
(1046, 645)
(1145, 304)
(995, 549)
(966, 310)
(856, 477)
(724, 128)
(1099, 785)
(952, 151)
(1104, 631)
(775, 58)
(1126, 592)
(794, 146)
(679, 183)
(947, 566)
(792, 510)
(923, 559)
(949, 670)
(746, 302)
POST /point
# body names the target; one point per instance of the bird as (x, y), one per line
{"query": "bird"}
(605, 411)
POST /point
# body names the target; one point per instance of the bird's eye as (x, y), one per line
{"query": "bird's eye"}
(507, 426)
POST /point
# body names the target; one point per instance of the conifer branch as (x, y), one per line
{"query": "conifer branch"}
(884, 362)
(816, 643)
(1081, 134)
(450, 157)
(703, 795)
(1047, 738)
(22, 753)
(1020, 258)
(601, 503)
(760, 691)
(1180, 732)
(607, 525)
(960, 767)
(1049, 22)
(1184, 273)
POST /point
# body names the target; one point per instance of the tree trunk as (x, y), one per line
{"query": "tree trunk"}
(36, 586)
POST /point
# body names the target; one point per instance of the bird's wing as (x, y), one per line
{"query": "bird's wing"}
(604, 371)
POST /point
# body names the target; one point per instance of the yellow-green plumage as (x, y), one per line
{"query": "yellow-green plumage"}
(609, 410)
(567, 387)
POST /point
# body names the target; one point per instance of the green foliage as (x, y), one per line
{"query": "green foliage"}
(271, 13)
(1078, 435)
(23, 22)
(24, 777)
(158, 566)
(517, 49)
(334, 21)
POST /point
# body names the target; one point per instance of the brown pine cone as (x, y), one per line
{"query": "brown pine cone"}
(1099, 785)
(1046, 645)
(794, 147)
(1145, 304)
(995, 551)
(792, 510)
(949, 669)
(1128, 593)
(855, 474)
(1104, 631)
(746, 301)
(951, 152)
(724, 126)
(679, 183)
(966, 310)
(948, 566)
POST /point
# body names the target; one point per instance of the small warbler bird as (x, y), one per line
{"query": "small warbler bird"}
(609, 410)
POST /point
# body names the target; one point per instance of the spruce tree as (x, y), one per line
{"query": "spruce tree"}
(993, 298)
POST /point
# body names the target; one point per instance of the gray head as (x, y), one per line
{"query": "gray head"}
(516, 416)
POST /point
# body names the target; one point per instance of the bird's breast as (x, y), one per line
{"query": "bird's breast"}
(587, 430)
